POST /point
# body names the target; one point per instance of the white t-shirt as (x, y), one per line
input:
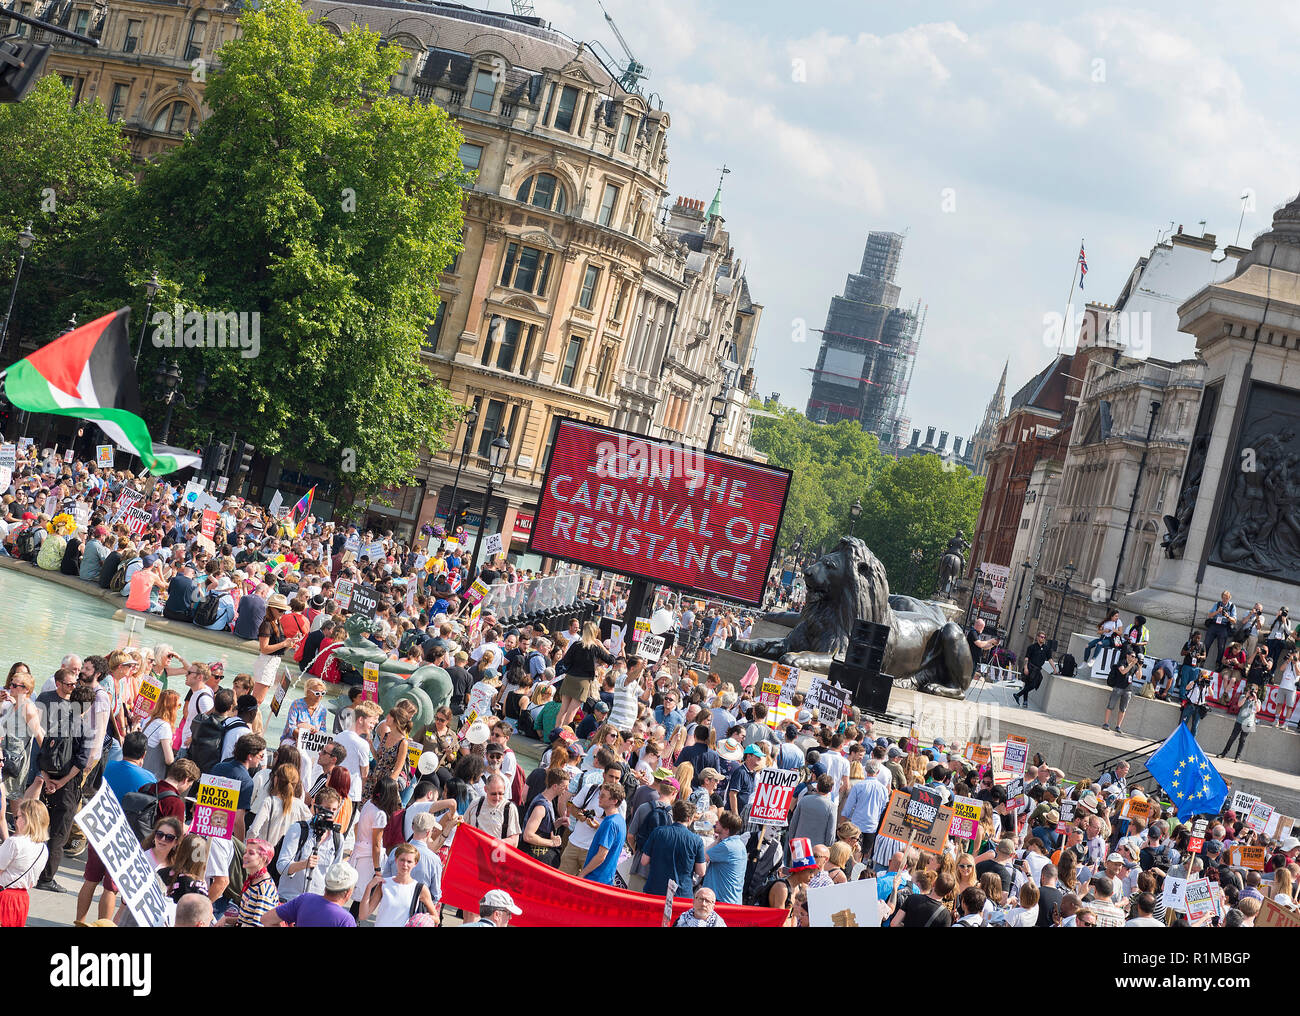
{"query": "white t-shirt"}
(358, 754)
(480, 699)
(477, 653)
(200, 702)
(838, 768)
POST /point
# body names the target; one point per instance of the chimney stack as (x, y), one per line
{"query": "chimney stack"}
(956, 447)
(929, 437)
(943, 441)
(916, 438)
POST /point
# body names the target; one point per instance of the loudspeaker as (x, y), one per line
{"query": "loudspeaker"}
(871, 689)
(867, 645)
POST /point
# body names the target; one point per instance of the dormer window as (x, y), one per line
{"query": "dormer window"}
(485, 88)
(543, 191)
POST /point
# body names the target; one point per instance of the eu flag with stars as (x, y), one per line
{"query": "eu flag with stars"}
(1182, 769)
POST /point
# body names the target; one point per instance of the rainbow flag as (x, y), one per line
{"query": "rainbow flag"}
(298, 517)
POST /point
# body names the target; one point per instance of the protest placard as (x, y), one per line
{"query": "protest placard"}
(1242, 802)
(365, 601)
(67, 455)
(980, 754)
(1198, 898)
(1250, 858)
(414, 749)
(208, 524)
(492, 545)
(1274, 915)
(8, 456)
(476, 591)
(966, 812)
(221, 484)
(311, 741)
(894, 825)
(110, 836)
(773, 796)
(1257, 819)
(277, 501)
(652, 647)
(104, 456)
(1173, 895)
(1137, 808)
(370, 681)
(214, 809)
(374, 551)
(147, 697)
(353, 543)
(1016, 755)
(791, 683)
(282, 685)
(769, 692)
(847, 905)
(343, 593)
(137, 519)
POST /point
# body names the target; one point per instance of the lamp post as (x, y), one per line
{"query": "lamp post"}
(151, 290)
(1069, 574)
(855, 513)
(1026, 583)
(169, 376)
(471, 418)
(717, 410)
(25, 239)
(496, 477)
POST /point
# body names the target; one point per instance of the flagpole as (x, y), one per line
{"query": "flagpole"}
(1068, 301)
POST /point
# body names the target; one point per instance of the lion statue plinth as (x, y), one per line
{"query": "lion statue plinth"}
(925, 649)
(428, 686)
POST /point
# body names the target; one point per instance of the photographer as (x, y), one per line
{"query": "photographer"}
(1194, 702)
(310, 848)
(1280, 631)
(1120, 680)
(979, 644)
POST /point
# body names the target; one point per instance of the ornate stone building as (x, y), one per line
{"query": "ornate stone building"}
(564, 299)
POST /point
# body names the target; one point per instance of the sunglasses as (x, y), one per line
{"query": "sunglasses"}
(161, 837)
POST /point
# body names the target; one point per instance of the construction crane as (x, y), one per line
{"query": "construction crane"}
(633, 70)
(523, 8)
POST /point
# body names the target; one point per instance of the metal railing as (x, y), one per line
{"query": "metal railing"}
(506, 599)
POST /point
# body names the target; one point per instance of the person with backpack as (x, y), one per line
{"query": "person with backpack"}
(65, 749)
(217, 611)
(207, 732)
(309, 850)
(164, 799)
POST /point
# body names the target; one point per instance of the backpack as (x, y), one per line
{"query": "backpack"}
(141, 810)
(119, 577)
(762, 867)
(56, 755)
(27, 544)
(519, 787)
(206, 734)
(1067, 666)
(303, 828)
(395, 831)
(208, 611)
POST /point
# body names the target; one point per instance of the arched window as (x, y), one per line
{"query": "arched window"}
(544, 191)
(177, 118)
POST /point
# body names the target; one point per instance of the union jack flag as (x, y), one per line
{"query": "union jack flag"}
(1083, 264)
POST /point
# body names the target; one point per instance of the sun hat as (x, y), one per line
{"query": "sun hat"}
(478, 733)
(276, 601)
(730, 749)
(339, 877)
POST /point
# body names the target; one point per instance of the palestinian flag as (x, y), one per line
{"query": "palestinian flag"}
(89, 374)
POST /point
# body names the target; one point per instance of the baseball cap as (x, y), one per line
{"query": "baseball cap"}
(753, 749)
(1213, 847)
(497, 899)
(803, 716)
(1115, 857)
(1289, 844)
(709, 773)
(882, 742)
(339, 877)
(894, 752)
(601, 707)
(939, 742)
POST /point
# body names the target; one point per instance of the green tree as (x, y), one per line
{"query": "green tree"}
(918, 502)
(833, 465)
(66, 168)
(330, 208)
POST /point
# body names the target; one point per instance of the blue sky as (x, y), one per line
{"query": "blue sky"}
(1039, 123)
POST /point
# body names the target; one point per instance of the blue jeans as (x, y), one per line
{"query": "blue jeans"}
(1191, 716)
(1094, 646)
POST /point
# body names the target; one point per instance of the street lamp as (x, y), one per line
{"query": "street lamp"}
(169, 376)
(471, 418)
(25, 239)
(717, 410)
(496, 477)
(855, 513)
(151, 290)
(1070, 569)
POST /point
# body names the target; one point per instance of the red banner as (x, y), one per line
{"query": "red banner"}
(664, 512)
(552, 899)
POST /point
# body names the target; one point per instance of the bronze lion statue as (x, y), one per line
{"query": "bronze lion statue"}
(924, 650)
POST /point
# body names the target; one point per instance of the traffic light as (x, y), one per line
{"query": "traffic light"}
(215, 460)
(246, 458)
(462, 515)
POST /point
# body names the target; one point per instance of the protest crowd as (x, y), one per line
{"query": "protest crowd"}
(584, 772)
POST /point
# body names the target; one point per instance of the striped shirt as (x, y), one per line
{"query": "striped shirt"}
(256, 899)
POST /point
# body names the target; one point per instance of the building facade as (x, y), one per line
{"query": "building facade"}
(984, 438)
(568, 298)
(1129, 435)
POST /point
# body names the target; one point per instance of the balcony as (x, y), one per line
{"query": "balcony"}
(1146, 373)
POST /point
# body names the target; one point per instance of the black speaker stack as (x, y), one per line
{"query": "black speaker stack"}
(860, 670)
